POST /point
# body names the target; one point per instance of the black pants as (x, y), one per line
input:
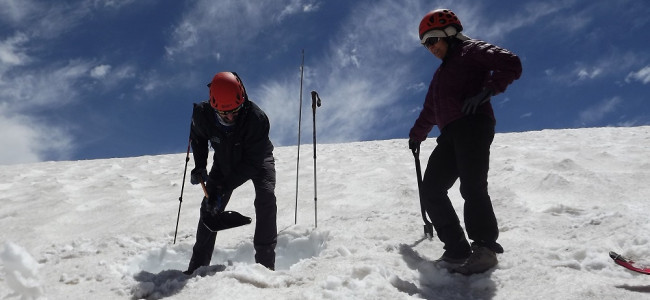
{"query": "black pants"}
(265, 237)
(463, 152)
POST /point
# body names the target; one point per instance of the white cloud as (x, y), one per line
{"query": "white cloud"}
(352, 78)
(44, 87)
(228, 27)
(11, 52)
(48, 19)
(418, 87)
(100, 71)
(478, 24)
(111, 3)
(612, 65)
(298, 6)
(642, 75)
(280, 101)
(597, 112)
(588, 74)
(24, 140)
(15, 11)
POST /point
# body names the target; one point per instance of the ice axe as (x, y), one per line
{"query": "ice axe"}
(428, 227)
(224, 219)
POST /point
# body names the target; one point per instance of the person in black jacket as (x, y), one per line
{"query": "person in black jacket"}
(238, 131)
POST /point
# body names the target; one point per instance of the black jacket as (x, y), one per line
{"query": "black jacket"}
(239, 153)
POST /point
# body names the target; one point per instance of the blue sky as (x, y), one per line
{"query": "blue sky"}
(91, 79)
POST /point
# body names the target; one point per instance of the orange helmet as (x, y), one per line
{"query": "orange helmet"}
(439, 19)
(226, 91)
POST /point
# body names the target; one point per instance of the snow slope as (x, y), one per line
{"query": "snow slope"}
(104, 229)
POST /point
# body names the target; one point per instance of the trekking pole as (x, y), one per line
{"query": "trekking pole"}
(315, 101)
(302, 63)
(180, 199)
(428, 227)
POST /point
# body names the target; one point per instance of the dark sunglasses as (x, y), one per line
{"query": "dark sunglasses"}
(234, 111)
(431, 41)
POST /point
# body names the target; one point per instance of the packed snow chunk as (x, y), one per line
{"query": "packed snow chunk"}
(298, 243)
(258, 276)
(160, 259)
(21, 271)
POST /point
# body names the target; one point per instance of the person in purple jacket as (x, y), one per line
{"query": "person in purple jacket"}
(458, 101)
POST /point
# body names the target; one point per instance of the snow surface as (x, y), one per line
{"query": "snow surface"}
(104, 229)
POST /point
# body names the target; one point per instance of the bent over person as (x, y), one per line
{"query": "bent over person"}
(458, 101)
(238, 131)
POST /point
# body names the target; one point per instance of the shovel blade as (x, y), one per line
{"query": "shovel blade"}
(226, 220)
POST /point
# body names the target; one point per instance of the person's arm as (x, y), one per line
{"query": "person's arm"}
(199, 138)
(504, 65)
(425, 121)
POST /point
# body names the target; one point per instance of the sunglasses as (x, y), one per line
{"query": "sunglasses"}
(431, 41)
(230, 112)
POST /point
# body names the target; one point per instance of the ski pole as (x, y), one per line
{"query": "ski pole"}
(428, 227)
(180, 199)
(302, 64)
(315, 101)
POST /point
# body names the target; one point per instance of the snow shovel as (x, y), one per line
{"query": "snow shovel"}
(428, 227)
(225, 219)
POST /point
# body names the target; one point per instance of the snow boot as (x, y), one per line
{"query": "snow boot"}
(454, 258)
(481, 260)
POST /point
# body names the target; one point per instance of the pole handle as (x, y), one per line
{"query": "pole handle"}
(315, 100)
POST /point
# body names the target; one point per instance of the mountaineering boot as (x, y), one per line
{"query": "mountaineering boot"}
(481, 260)
(192, 267)
(457, 250)
(454, 257)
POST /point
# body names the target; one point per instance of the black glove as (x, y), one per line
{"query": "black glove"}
(212, 205)
(472, 103)
(414, 145)
(198, 175)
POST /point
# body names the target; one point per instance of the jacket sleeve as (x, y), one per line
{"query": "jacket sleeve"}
(425, 121)
(504, 65)
(199, 138)
(255, 149)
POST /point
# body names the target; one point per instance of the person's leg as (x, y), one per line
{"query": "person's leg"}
(205, 237)
(439, 177)
(473, 159)
(266, 233)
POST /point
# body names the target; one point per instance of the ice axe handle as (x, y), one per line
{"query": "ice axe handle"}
(428, 227)
(205, 191)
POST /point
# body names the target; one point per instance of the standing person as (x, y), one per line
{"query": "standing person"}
(458, 101)
(238, 131)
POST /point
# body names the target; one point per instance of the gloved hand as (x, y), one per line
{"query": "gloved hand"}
(198, 175)
(472, 103)
(214, 202)
(212, 205)
(414, 145)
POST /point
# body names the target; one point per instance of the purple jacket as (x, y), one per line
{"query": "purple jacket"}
(468, 67)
